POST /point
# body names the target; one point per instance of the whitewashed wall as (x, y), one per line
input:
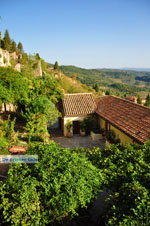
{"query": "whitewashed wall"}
(77, 118)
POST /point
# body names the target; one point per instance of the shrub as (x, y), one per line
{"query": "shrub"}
(5, 60)
(83, 125)
(49, 191)
(69, 125)
(91, 124)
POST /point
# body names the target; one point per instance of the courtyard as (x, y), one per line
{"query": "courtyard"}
(78, 141)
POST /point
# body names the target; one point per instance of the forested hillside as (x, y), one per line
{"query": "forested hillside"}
(119, 81)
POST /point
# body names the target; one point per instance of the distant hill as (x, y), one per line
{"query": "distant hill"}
(129, 81)
(136, 69)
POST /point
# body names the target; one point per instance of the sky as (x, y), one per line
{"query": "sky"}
(84, 33)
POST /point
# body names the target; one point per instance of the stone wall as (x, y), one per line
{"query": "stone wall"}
(18, 67)
(8, 107)
(4, 58)
(38, 70)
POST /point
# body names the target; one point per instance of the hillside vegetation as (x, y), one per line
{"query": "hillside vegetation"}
(118, 81)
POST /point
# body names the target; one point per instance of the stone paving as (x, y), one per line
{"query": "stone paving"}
(79, 141)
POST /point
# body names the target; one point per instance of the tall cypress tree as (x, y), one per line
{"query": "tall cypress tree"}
(13, 46)
(147, 103)
(20, 47)
(56, 67)
(7, 41)
(139, 101)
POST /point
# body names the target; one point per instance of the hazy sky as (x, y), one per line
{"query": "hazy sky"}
(85, 33)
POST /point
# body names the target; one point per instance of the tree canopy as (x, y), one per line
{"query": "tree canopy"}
(56, 67)
(7, 41)
(20, 47)
(13, 46)
(50, 191)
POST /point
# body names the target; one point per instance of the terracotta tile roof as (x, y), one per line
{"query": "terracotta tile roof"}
(131, 118)
(78, 104)
(17, 150)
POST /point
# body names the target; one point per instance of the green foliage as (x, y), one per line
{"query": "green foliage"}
(69, 125)
(126, 173)
(96, 87)
(83, 125)
(131, 206)
(72, 86)
(5, 60)
(37, 56)
(8, 135)
(90, 124)
(43, 65)
(56, 67)
(5, 95)
(41, 112)
(118, 81)
(7, 41)
(17, 88)
(107, 92)
(111, 136)
(139, 101)
(20, 47)
(42, 105)
(13, 46)
(49, 191)
(147, 103)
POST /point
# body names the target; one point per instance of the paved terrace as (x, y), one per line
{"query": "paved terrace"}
(79, 141)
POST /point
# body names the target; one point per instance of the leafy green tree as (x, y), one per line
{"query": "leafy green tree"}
(96, 87)
(37, 56)
(107, 92)
(13, 46)
(5, 95)
(56, 67)
(50, 191)
(139, 101)
(44, 106)
(147, 103)
(7, 41)
(41, 112)
(20, 47)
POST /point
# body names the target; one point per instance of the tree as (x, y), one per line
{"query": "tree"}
(107, 92)
(139, 101)
(54, 189)
(147, 103)
(13, 46)
(56, 67)
(37, 56)
(96, 87)
(20, 47)
(41, 112)
(7, 41)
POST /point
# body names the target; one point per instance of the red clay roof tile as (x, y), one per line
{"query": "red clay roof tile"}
(131, 118)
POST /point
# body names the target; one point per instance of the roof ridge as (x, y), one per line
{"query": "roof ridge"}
(76, 93)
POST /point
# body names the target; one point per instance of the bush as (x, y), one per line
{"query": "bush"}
(90, 124)
(49, 191)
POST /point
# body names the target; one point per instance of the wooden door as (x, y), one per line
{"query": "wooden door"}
(76, 127)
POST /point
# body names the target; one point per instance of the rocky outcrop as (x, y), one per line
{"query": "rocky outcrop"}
(38, 70)
(8, 107)
(14, 56)
(4, 58)
(18, 67)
